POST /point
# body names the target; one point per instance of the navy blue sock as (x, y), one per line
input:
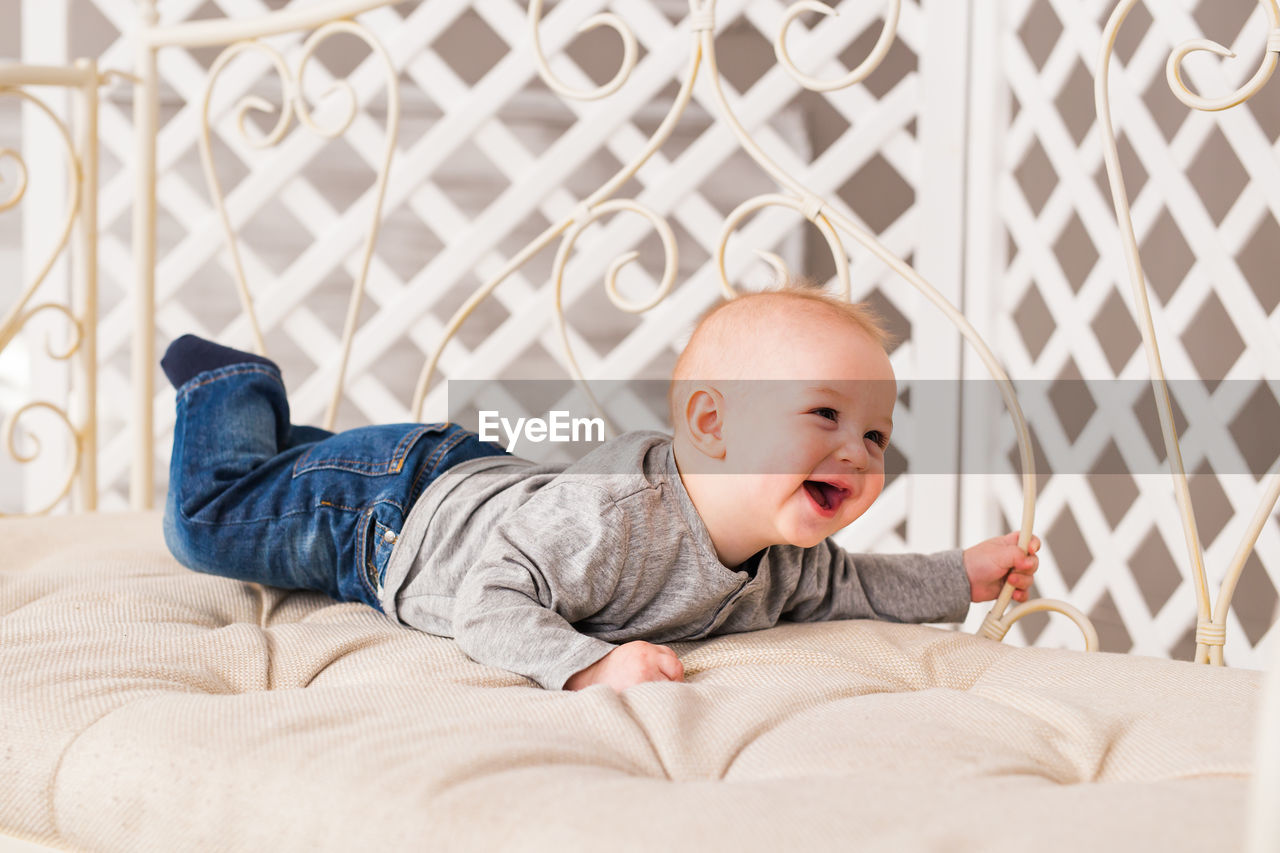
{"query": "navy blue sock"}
(189, 355)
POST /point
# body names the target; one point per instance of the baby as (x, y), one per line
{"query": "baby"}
(782, 406)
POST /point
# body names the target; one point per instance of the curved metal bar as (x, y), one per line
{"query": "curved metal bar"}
(1173, 73)
(384, 175)
(464, 311)
(809, 202)
(210, 173)
(1260, 515)
(604, 19)
(215, 33)
(1211, 623)
(585, 217)
(21, 189)
(1137, 280)
(881, 49)
(781, 273)
(1173, 68)
(536, 245)
(811, 209)
(669, 269)
(76, 326)
(308, 52)
(996, 627)
(22, 459)
(13, 318)
(293, 100)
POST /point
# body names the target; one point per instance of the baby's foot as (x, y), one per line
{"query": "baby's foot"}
(189, 355)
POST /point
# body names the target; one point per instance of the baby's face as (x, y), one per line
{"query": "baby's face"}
(808, 439)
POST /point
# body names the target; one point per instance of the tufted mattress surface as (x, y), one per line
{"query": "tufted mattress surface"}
(145, 707)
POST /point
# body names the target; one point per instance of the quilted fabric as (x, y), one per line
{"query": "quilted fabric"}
(143, 707)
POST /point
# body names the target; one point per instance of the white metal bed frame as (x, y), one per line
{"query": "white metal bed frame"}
(80, 226)
(332, 16)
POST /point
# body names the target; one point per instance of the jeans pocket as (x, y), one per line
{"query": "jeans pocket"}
(372, 451)
(377, 542)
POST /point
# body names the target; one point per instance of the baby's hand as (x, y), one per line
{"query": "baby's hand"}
(988, 563)
(628, 664)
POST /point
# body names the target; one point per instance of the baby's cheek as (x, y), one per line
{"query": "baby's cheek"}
(875, 484)
(747, 490)
(859, 505)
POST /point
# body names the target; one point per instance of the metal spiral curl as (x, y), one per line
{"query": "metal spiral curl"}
(76, 326)
(11, 423)
(604, 19)
(21, 189)
(585, 217)
(811, 210)
(888, 33)
(253, 103)
(23, 459)
(1211, 635)
(812, 207)
(1173, 68)
(350, 99)
(595, 200)
(247, 104)
(670, 266)
(701, 22)
(14, 318)
(293, 101)
(1211, 619)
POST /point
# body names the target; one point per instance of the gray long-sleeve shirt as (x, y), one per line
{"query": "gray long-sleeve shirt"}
(542, 570)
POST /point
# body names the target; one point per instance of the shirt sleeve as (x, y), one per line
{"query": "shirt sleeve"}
(555, 561)
(835, 584)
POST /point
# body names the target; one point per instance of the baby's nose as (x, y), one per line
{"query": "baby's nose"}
(854, 452)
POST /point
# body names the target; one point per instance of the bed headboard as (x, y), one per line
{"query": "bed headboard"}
(70, 312)
(931, 156)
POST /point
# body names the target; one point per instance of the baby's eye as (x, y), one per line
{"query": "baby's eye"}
(829, 414)
(881, 440)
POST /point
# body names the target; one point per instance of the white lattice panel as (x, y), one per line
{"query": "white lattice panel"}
(487, 158)
(1204, 193)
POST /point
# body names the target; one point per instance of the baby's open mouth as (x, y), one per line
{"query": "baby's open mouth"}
(828, 496)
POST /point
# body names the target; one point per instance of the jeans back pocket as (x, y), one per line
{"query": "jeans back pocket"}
(372, 450)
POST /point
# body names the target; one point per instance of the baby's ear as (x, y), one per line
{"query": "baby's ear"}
(704, 420)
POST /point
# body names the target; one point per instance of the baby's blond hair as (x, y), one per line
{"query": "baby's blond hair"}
(744, 311)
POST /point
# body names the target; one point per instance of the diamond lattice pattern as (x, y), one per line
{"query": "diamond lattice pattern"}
(488, 157)
(1204, 196)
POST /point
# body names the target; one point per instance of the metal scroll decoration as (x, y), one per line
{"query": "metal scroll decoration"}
(294, 102)
(701, 22)
(1211, 621)
(22, 310)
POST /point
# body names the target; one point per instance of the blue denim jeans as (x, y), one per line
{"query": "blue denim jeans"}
(253, 497)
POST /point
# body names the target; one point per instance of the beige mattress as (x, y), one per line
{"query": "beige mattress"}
(144, 707)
